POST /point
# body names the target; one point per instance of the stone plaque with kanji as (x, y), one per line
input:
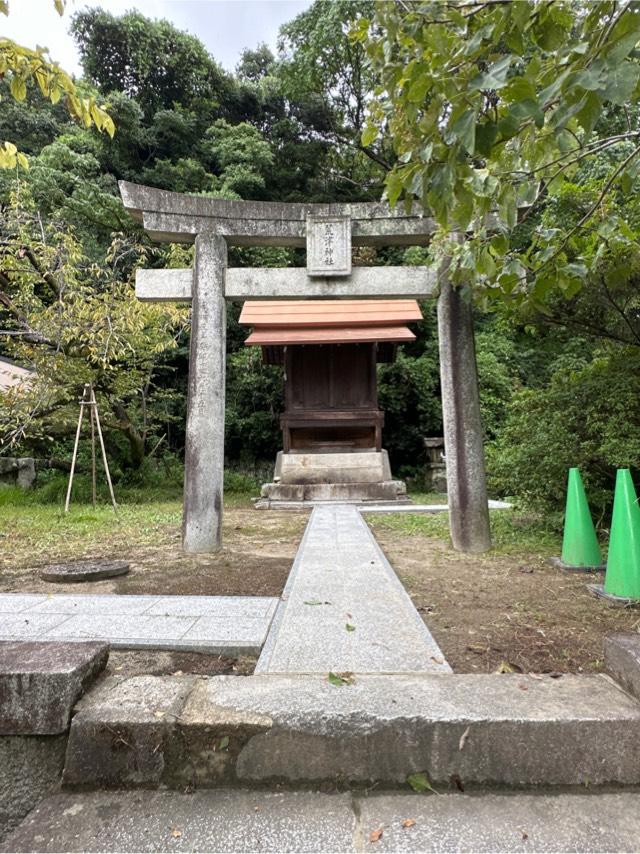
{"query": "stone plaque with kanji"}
(328, 245)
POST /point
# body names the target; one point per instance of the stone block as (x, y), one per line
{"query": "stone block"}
(30, 769)
(121, 737)
(508, 730)
(484, 730)
(208, 742)
(40, 682)
(622, 660)
(18, 471)
(358, 467)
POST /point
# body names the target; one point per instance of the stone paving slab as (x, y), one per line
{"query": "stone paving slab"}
(503, 822)
(230, 625)
(344, 608)
(259, 821)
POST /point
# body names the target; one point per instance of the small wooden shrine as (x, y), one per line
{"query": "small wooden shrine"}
(329, 350)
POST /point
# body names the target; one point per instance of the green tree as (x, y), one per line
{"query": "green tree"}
(22, 69)
(150, 60)
(75, 321)
(491, 106)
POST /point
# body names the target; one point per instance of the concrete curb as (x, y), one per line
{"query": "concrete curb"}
(507, 729)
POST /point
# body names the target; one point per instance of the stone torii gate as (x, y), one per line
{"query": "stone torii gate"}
(328, 232)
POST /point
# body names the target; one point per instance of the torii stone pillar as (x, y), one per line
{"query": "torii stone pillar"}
(213, 224)
(204, 453)
(463, 434)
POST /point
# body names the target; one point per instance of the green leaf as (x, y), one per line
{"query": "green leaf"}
(520, 89)
(419, 88)
(349, 627)
(591, 78)
(486, 135)
(620, 82)
(590, 113)
(508, 125)
(339, 679)
(495, 77)
(394, 187)
(224, 743)
(18, 88)
(420, 783)
(369, 135)
(624, 36)
(464, 127)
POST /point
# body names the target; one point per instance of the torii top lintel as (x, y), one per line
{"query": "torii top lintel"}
(179, 217)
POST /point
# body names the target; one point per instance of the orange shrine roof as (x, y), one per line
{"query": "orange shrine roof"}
(282, 322)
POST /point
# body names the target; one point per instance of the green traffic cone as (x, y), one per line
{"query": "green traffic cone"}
(580, 548)
(623, 562)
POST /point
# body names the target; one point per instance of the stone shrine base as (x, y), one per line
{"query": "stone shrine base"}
(345, 477)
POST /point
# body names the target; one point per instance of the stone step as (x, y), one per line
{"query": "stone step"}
(344, 608)
(351, 492)
(243, 821)
(494, 729)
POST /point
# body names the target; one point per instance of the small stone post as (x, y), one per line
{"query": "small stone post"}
(464, 451)
(204, 456)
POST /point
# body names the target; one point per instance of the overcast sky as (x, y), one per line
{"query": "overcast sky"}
(226, 27)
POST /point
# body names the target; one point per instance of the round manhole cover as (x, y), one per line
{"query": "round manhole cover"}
(86, 570)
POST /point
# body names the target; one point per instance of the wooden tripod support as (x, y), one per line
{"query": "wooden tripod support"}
(89, 399)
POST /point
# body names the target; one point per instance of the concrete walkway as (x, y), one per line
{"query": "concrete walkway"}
(344, 608)
(259, 821)
(224, 625)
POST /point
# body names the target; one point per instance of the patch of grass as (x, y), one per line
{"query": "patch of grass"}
(512, 532)
(428, 497)
(32, 532)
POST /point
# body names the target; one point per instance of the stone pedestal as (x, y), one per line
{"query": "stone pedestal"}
(435, 470)
(17, 471)
(351, 477)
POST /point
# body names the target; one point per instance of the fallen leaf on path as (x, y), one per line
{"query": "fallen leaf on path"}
(420, 783)
(375, 835)
(349, 627)
(176, 833)
(341, 678)
(408, 822)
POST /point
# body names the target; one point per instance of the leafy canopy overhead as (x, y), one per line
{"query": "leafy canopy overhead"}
(150, 61)
(21, 68)
(491, 106)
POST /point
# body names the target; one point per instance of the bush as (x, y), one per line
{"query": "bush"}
(587, 417)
